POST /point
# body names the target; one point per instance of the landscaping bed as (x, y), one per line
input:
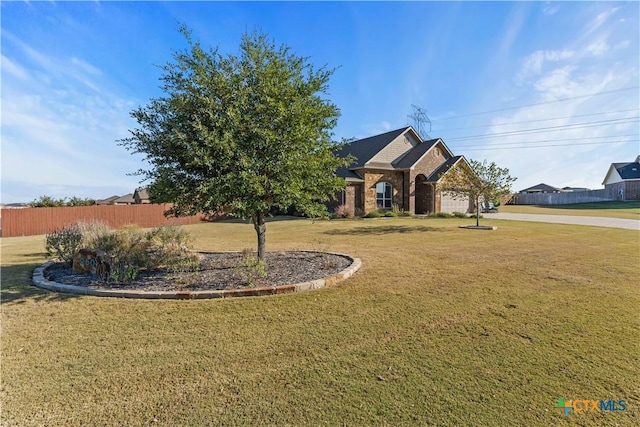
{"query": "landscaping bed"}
(217, 271)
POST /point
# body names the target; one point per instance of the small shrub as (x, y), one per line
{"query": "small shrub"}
(250, 268)
(129, 249)
(343, 211)
(459, 215)
(373, 214)
(169, 247)
(405, 213)
(64, 243)
(391, 214)
(128, 254)
(94, 234)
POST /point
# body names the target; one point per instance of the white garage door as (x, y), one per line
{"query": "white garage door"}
(449, 204)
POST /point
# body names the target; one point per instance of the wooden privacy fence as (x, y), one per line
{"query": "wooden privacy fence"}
(34, 221)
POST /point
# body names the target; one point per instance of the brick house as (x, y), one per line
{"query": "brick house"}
(624, 179)
(398, 168)
(141, 197)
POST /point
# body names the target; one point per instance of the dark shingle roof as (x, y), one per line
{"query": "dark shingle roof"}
(414, 154)
(628, 170)
(435, 175)
(541, 188)
(107, 201)
(126, 199)
(364, 149)
(349, 175)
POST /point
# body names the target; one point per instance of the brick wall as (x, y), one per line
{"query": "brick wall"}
(374, 176)
(430, 162)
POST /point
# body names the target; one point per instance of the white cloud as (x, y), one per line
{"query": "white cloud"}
(60, 121)
(550, 8)
(600, 20)
(621, 45)
(86, 67)
(533, 64)
(13, 69)
(598, 48)
(577, 155)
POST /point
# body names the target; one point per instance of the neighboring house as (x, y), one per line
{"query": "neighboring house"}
(398, 168)
(127, 199)
(624, 179)
(108, 200)
(141, 196)
(541, 188)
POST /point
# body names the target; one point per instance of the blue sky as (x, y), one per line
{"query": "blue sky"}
(546, 89)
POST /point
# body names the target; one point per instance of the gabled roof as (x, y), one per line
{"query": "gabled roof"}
(107, 201)
(443, 168)
(415, 154)
(141, 193)
(628, 170)
(124, 200)
(364, 149)
(541, 188)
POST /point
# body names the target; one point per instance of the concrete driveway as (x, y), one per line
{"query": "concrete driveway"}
(630, 224)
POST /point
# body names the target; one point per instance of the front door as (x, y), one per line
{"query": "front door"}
(423, 195)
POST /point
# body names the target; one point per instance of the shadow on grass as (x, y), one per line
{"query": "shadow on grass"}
(17, 287)
(387, 229)
(277, 218)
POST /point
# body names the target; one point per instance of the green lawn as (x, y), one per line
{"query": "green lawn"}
(441, 326)
(626, 210)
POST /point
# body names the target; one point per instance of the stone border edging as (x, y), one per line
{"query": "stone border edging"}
(479, 227)
(40, 281)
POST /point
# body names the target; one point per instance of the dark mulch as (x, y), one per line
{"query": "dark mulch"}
(217, 271)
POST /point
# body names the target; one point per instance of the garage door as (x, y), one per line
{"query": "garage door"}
(449, 204)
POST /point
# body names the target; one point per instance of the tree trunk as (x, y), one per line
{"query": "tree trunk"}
(478, 211)
(261, 231)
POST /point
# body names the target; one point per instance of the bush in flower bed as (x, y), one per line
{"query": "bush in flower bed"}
(343, 211)
(128, 250)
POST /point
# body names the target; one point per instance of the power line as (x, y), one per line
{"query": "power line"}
(539, 103)
(573, 126)
(544, 140)
(541, 120)
(553, 145)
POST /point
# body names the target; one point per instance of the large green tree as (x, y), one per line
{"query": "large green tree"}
(479, 181)
(244, 133)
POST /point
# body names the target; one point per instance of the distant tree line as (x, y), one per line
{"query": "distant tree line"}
(52, 202)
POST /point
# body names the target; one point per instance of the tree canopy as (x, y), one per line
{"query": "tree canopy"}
(50, 202)
(242, 134)
(480, 181)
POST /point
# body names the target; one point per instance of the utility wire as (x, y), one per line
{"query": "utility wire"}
(544, 140)
(553, 145)
(574, 126)
(538, 120)
(538, 103)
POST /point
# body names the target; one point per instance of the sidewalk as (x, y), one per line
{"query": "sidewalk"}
(629, 224)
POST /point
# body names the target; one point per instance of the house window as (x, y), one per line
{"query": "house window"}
(384, 192)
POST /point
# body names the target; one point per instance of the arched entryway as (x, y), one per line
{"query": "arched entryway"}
(424, 196)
